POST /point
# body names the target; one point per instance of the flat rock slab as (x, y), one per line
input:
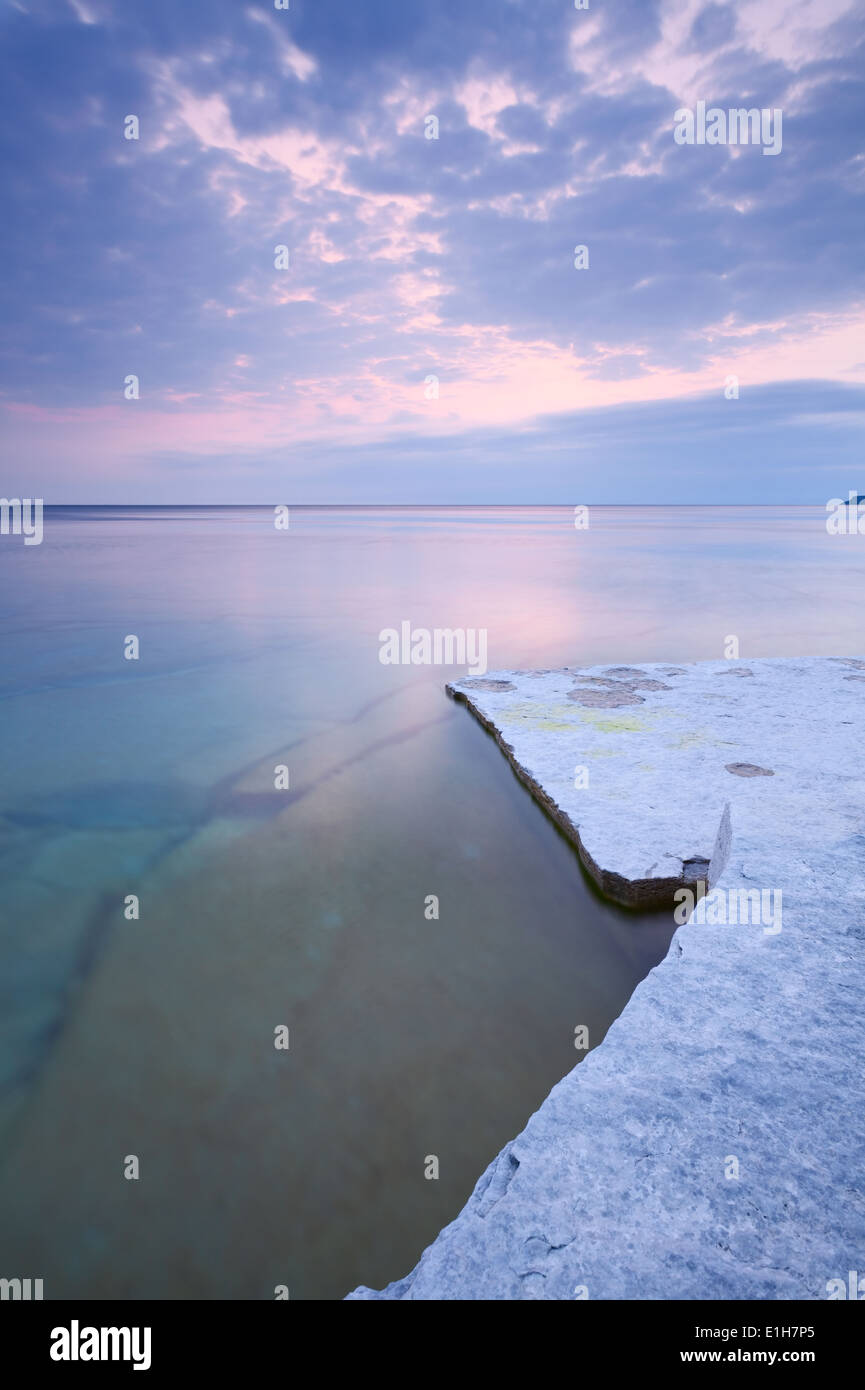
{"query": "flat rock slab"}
(712, 1146)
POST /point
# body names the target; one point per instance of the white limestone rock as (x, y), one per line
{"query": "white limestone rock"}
(744, 1049)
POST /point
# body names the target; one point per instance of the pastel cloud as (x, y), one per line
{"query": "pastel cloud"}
(410, 256)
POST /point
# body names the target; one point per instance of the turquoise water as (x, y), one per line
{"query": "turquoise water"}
(305, 907)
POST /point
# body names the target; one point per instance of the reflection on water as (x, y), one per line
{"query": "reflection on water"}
(305, 907)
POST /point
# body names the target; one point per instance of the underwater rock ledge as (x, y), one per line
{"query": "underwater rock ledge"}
(710, 1147)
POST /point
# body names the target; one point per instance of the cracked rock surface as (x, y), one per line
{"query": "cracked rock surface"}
(712, 1145)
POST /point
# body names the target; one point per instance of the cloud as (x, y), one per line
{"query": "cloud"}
(412, 256)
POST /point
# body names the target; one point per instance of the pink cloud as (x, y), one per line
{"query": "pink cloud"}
(487, 378)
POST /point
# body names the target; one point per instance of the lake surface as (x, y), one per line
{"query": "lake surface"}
(304, 907)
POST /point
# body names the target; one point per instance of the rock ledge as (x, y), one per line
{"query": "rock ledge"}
(711, 1146)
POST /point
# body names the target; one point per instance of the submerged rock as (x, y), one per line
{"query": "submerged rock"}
(114, 805)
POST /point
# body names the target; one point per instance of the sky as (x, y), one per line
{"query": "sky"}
(425, 335)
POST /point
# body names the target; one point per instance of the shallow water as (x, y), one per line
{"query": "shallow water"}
(304, 907)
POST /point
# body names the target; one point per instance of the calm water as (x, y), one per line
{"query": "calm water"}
(305, 907)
